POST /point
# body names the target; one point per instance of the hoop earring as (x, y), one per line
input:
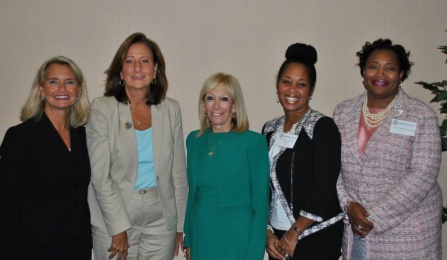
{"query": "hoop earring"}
(400, 83)
(122, 83)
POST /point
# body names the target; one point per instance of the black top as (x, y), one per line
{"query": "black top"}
(43, 187)
(316, 167)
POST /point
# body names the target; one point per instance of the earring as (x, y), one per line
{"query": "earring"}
(309, 98)
(400, 83)
(154, 81)
(122, 84)
(277, 99)
(233, 116)
(42, 98)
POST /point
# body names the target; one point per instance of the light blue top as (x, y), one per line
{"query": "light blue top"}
(146, 171)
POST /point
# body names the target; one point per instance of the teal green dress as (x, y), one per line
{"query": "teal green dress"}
(227, 209)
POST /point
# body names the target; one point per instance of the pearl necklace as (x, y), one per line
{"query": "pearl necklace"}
(374, 120)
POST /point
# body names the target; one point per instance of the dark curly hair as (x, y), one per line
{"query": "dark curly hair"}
(385, 44)
(304, 54)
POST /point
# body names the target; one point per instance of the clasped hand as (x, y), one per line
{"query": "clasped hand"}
(281, 248)
(357, 214)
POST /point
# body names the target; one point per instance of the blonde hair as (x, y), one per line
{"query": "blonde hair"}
(230, 83)
(34, 106)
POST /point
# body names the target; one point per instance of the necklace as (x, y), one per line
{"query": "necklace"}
(374, 120)
(294, 126)
(211, 153)
(139, 122)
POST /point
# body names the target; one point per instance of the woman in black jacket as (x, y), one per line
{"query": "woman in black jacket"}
(45, 170)
(304, 150)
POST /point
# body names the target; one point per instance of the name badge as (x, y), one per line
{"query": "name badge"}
(286, 140)
(403, 127)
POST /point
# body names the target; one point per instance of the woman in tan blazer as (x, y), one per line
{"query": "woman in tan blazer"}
(138, 187)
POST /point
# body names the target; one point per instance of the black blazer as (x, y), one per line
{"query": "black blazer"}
(316, 166)
(43, 187)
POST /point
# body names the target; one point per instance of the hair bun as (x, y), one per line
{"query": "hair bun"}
(302, 52)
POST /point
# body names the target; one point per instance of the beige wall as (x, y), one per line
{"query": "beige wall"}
(245, 38)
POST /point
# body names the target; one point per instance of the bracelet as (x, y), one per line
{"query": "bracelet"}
(269, 227)
(287, 241)
(345, 209)
(297, 230)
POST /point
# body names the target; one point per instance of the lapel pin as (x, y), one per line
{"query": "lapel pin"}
(400, 110)
(128, 125)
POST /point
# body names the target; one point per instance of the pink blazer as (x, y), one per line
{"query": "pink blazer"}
(396, 181)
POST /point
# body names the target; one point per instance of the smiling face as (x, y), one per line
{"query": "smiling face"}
(59, 88)
(294, 89)
(382, 75)
(139, 68)
(219, 106)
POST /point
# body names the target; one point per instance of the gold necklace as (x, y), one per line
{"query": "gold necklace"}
(211, 153)
(374, 120)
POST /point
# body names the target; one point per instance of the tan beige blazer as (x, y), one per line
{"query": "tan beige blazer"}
(112, 148)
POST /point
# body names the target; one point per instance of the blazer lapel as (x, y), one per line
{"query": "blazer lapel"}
(49, 133)
(126, 126)
(382, 132)
(157, 133)
(353, 128)
(198, 157)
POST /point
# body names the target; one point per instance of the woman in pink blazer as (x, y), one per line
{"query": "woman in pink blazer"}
(391, 155)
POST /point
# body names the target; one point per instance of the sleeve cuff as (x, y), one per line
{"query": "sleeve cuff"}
(311, 216)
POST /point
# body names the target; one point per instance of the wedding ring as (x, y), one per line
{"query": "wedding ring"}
(359, 227)
(286, 255)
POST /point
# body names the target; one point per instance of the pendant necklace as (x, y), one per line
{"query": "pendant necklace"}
(211, 153)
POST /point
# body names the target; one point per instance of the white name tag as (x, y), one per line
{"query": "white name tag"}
(286, 140)
(403, 127)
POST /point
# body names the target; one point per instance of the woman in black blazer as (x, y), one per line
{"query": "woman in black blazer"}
(45, 170)
(304, 151)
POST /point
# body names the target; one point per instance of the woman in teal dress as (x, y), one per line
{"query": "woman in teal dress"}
(228, 175)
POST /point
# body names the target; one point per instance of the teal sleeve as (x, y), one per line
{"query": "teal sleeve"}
(260, 178)
(186, 227)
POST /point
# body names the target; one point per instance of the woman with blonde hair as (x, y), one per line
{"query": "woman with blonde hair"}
(45, 170)
(227, 205)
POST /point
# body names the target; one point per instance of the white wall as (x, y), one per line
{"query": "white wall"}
(245, 38)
